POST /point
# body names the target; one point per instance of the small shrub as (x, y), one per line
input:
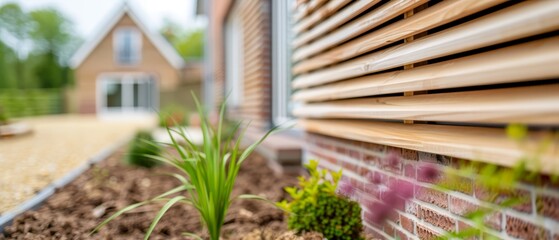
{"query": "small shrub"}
(141, 149)
(317, 207)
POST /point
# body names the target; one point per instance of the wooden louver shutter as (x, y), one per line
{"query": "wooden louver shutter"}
(444, 77)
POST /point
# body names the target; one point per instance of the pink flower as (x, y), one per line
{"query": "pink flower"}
(373, 178)
(428, 172)
(378, 212)
(345, 188)
(392, 159)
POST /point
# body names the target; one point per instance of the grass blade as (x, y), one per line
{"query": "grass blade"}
(161, 213)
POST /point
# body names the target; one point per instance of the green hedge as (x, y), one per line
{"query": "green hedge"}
(31, 102)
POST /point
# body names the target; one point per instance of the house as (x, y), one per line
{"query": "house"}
(126, 69)
(239, 58)
(435, 82)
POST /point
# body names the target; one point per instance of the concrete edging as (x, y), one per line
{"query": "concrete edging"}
(7, 217)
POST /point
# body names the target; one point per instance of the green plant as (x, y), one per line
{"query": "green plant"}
(208, 175)
(315, 206)
(498, 184)
(141, 151)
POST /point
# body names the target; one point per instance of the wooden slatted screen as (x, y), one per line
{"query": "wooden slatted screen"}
(463, 69)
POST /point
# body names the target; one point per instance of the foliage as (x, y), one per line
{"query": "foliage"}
(208, 175)
(189, 44)
(52, 40)
(315, 206)
(17, 25)
(498, 184)
(141, 150)
(31, 102)
(171, 116)
(7, 71)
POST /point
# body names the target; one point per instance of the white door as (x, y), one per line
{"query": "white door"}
(126, 94)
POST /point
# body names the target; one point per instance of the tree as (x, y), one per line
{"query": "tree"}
(54, 42)
(189, 44)
(7, 59)
(16, 25)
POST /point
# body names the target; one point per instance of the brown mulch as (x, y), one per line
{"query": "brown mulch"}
(75, 210)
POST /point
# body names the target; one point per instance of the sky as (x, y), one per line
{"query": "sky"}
(88, 16)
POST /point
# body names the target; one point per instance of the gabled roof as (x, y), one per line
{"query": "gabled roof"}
(156, 39)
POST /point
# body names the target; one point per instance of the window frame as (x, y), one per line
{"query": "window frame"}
(281, 36)
(127, 81)
(136, 46)
(234, 58)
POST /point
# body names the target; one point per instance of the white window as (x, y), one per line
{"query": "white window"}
(126, 93)
(127, 43)
(234, 58)
(281, 61)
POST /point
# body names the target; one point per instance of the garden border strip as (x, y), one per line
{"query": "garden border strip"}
(7, 217)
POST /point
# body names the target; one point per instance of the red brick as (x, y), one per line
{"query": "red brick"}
(424, 233)
(409, 170)
(354, 154)
(548, 206)
(437, 219)
(341, 149)
(432, 196)
(363, 171)
(407, 224)
(388, 229)
(349, 166)
(400, 235)
(519, 228)
(373, 233)
(371, 159)
(429, 179)
(461, 207)
(412, 208)
(374, 147)
(410, 154)
(427, 157)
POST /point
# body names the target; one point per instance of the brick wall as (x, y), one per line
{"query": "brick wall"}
(256, 63)
(430, 212)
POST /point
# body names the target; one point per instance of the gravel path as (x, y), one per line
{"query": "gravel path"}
(57, 145)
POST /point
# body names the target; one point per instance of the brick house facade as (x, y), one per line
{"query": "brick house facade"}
(423, 79)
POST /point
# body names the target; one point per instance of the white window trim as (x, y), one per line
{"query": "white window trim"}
(234, 58)
(281, 62)
(127, 80)
(137, 36)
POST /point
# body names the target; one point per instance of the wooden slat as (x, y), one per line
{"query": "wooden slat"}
(521, 20)
(364, 23)
(477, 143)
(536, 105)
(308, 8)
(429, 18)
(335, 21)
(330, 8)
(529, 61)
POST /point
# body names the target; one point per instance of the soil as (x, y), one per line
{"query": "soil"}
(79, 207)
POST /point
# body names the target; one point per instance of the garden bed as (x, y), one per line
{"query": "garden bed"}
(76, 209)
